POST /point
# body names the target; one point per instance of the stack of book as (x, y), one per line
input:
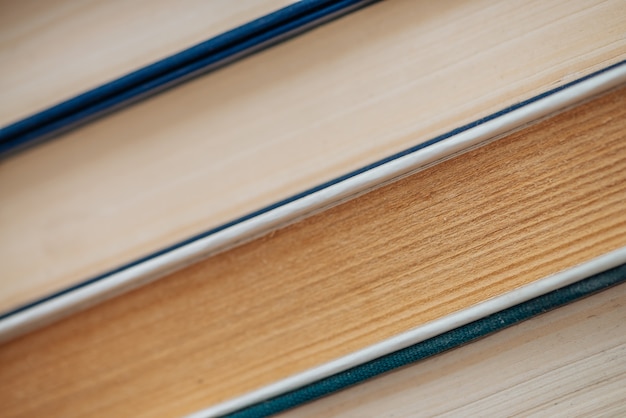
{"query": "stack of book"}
(242, 208)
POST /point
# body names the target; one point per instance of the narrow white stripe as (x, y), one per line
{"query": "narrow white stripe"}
(157, 267)
(421, 333)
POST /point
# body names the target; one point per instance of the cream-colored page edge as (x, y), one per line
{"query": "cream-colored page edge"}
(53, 50)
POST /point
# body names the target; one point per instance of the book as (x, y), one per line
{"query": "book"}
(568, 362)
